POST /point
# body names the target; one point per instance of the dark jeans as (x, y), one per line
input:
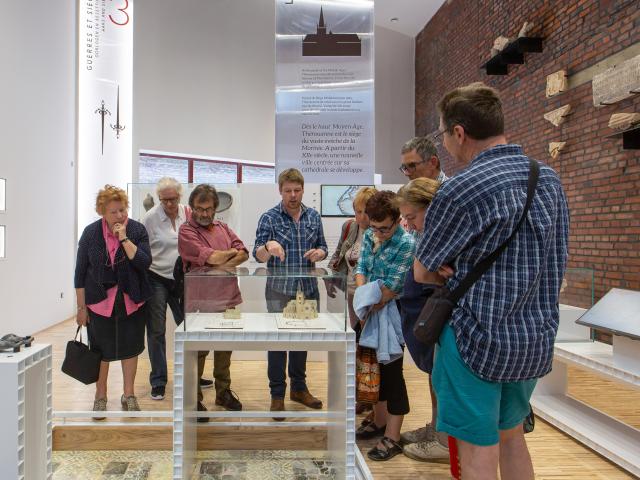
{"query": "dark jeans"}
(162, 294)
(277, 361)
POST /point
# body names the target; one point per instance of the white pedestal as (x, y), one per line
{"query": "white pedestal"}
(608, 436)
(626, 354)
(261, 333)
(25, 413)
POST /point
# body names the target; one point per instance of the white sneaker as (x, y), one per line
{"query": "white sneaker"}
(422, 434)
(432, 451)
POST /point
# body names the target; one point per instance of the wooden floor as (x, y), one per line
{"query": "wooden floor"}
(555, 455)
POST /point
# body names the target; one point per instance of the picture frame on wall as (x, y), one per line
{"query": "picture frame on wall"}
(3, 195)
(337, 200)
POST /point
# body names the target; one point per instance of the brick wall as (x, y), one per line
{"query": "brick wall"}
(601, 180)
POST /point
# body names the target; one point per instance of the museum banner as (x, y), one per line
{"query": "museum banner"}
(105, 83)
(324, 90)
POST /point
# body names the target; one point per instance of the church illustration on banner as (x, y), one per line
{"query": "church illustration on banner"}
(323, 44)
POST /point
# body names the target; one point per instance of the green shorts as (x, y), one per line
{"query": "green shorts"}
(470, 408)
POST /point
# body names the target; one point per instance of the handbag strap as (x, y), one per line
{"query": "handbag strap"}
(78, 331)
(481, 267)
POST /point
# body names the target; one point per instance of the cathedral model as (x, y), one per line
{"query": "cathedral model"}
(300, 308)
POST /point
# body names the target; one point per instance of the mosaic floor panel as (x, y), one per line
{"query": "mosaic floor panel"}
(211, 465)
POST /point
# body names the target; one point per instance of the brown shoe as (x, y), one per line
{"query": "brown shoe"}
(277, 405)
(305, 398)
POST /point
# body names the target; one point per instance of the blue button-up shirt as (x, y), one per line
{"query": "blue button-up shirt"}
(506, 324)
(390, 262)
(296, 239)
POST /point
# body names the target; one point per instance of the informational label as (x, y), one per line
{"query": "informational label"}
(617, 83)
(324, 90)
(105, 82)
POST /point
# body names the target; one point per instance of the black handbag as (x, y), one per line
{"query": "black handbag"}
(437, 311)
(80, 362)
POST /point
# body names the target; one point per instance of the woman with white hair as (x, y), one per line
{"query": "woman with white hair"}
(162, 223)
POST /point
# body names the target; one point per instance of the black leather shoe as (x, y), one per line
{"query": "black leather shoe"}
(202, 408)
(206, 383)
(390, 450)
(229, 400)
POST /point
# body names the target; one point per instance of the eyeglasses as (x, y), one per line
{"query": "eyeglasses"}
(383, 230)
(167, 201)
(439, 134)
(200, 210)
(410, 166)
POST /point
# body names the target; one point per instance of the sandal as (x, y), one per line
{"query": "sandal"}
(368, 429)
(390, 450)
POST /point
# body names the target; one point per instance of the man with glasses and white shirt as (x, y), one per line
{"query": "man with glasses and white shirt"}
(420, 160)
(162, 223)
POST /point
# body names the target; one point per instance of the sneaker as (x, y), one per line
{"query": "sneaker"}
(100, 405)
(206, 383)
(229, 400)
(202, 408)
(422, 434)
(427, 452)
(130, 403)
(157, 393)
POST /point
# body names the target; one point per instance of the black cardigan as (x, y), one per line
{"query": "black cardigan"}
(93, 270)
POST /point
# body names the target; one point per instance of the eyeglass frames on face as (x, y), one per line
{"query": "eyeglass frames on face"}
(167, 201)
(406, 167)
(200, 210)
(383, 230)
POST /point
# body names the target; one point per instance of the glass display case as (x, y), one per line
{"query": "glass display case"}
(259, 309)
(262, 299)
(576, 297)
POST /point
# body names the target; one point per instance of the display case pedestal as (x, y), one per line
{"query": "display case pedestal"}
(260, 333)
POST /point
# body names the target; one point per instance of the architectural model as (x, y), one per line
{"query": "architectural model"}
(300, 308)
(232, 313)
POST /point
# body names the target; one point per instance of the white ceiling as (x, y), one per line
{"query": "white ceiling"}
(412, 15)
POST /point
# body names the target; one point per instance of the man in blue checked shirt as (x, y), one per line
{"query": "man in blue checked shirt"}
(289, 236)
(500, 338)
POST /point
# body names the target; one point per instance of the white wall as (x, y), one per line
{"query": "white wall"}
(204, 78)
(204, 82)
(37, 128)
(395, 91)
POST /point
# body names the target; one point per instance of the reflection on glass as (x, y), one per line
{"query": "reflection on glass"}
(3, 190)
(151, 169)
(258, 174)
(577, 287)
(211, 172)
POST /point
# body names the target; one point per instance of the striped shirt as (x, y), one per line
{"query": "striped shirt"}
(506, 324)
(390, 262)
(296, 238)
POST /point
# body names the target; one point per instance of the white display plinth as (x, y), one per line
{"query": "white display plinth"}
(260, 332)
(25, 413)
(608, 436)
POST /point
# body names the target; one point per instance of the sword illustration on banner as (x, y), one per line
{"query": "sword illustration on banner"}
(117, 127)
(102, 112)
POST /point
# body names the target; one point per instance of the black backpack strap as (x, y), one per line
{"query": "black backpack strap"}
(481, 267)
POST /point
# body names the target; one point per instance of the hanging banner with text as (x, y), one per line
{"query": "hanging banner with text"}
(105, 84)
(324, 90)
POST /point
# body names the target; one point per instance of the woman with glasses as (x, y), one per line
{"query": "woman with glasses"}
(162, 223)
(112, 287)
(387, 255)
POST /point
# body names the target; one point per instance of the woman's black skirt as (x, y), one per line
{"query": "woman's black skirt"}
(120, 336)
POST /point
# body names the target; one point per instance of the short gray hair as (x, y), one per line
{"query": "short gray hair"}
(423, 146)
(168, 182)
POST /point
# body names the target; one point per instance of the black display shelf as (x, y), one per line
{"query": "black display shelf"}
(512, 54)
(630, 137)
